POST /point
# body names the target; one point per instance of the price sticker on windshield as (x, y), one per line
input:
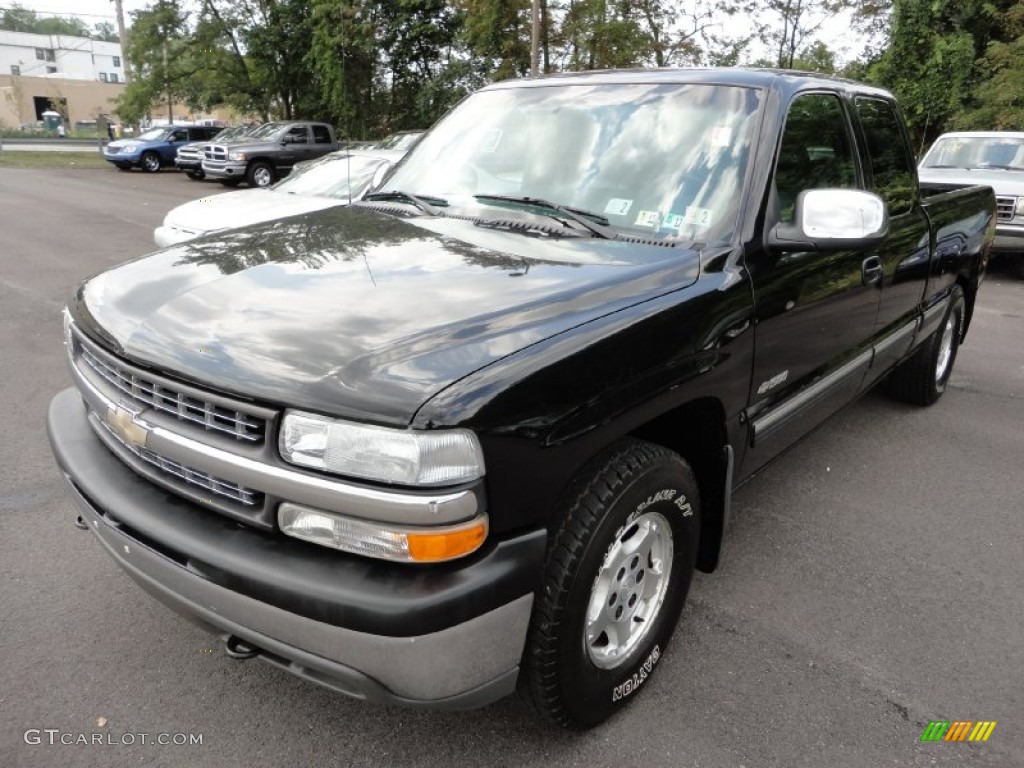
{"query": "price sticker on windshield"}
(618, 207)
(700, 217)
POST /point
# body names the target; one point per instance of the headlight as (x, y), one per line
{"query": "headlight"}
(1020, 207)
(129, 147)
(237, 156)
(405, 457)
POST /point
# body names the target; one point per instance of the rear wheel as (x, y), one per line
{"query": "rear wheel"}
(150, 162)
(260, 174)
(922, 379)
(618, 571)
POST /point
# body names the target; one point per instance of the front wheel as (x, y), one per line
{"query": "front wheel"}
(150, 162)
(260, 174)
(195, 175)
(923, 377)
(618, 571)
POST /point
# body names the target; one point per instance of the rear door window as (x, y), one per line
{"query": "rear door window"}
(893, 177)
(321, 135)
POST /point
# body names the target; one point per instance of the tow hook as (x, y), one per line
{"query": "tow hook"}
(80, 524)
(236, 648)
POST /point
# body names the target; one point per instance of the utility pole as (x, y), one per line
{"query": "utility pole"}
(534, 38)
(122, 38)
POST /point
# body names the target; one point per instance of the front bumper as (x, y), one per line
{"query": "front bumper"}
(165, 236)
(1009, 239)
(188, 164)
(128, 158)
(447, 636)
(224, 170)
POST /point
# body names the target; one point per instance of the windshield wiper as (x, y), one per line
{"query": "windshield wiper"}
(425, 203)
(993, 167)
(594, 222)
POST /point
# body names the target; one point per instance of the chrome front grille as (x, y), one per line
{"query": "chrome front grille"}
(111, 150)
(1005, 207)
(189, 153)
(165, 397)
(215, 152)
(226, 488)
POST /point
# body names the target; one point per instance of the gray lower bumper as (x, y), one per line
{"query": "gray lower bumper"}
(226, 171)
(468, 665)
(1009, 239)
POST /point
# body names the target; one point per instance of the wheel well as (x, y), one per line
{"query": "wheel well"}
(696, 431)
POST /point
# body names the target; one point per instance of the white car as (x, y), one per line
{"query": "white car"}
(991, 158)
(333, 180)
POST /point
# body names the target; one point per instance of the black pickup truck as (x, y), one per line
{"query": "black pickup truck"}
(477, 431)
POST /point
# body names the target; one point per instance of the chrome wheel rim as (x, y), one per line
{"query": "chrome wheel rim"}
(152, 163)
(629, 590)
(945, 350)
(262, 177)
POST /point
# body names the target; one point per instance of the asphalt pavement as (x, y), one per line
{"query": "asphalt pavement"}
(872, 578)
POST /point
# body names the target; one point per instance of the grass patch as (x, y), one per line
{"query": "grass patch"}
(14, 159)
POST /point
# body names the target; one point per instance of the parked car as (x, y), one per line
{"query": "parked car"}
(155, 148)
(268, 153)
(402, 141)
(190, 156)
(992, 158)
(477, 430)
(333, 180)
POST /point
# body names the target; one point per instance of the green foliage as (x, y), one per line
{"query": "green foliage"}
(157, 50)
(954, 63)
(20, 19)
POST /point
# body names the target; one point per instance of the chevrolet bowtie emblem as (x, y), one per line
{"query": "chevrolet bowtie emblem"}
(122, 422)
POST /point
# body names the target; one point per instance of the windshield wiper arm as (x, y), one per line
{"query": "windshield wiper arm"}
(425, 203)
(595, 222)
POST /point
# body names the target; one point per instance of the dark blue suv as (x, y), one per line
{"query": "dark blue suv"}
(156, 147)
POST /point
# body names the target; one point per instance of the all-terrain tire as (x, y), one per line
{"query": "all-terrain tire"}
(618, 569)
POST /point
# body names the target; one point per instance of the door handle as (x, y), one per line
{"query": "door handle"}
(871, 270)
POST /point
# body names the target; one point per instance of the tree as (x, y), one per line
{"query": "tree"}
(57, 25)
(156, 51)
(789, 26)
(997, 103)
(18, 19)
(105, 31)
(948, 58)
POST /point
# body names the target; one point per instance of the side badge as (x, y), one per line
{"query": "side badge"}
(773, 382)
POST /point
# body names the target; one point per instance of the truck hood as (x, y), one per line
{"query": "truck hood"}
(360, 314)
(253, 146)
(243, 207)
(1002, 182)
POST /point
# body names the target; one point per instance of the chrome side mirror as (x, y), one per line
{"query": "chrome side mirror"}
(833, 219)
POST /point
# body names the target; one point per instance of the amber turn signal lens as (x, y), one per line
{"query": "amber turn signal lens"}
(453, 543)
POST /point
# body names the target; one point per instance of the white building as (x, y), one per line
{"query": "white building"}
(70, 58)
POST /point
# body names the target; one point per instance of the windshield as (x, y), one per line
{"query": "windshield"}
(660, 160)
(267, 130)
(976, 152)
(153, 134)
(333, 177)
(234, 133)
(400, 141)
